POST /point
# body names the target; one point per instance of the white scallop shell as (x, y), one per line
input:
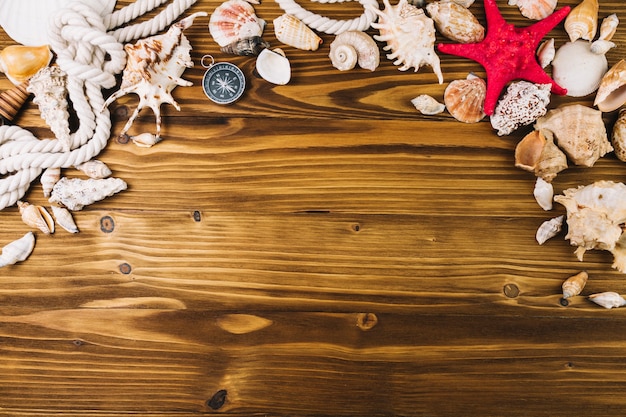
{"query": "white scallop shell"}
(26, 21)
(578, 69)
(273, 66)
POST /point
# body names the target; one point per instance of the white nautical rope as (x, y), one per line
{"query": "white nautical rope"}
(327, 25)
(91, 54)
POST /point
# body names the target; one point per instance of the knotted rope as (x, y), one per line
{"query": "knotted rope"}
(89, 48)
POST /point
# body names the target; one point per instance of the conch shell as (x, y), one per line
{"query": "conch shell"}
(234, 22)
(76, 193)
(154, 68)
(595, 216)
(535, 9)
(48, 178)
(354, 47)
(456, 22)
(409, 34)
(293, 32)
(523, 103)
(18, 250)
(582, 21)
(64, 218)
(36, 216)
(611, 94)
(19, 62)
(428, 105)
(579, 132)
(619, 136)
(608, 299)
(574, 285)
(538, 154)
(465, 99)
(607, 29)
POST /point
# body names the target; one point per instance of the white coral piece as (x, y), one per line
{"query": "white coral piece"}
(75, 193)
(523, 103)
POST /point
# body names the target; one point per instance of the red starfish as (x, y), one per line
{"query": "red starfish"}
(508, 53)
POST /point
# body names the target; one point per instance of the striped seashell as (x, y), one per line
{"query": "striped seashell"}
(456, 22)
(48, 178)
(11, 101)
(582, 21)
(234, 20)
(293, 32)
(535, 9)
(465, 99)
(574, 284)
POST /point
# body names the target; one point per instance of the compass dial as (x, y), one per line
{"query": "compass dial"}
(224, 83)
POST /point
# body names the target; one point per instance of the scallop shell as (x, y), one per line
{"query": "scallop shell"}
(273, 66)
(409, 34)
(12, 101)
(582, 21)
(611, 94)
(619, 136)
(36, 216)
(293, 32)
(26, 21)
(94, 169)
(546, 52)
(549, 229)
(354, 47)
(543, 192)
(574, 285)
(595, 216)
(64, 219)
(465, 99)
(608, 299)
(535, 9)
(579, 131)
(523, 103)
(428, 105)
(578, 69)
(538, 154)
(18, 250)
(234, 20)
(19, 62)
(75, 193)
(456, 22)
(48, 178)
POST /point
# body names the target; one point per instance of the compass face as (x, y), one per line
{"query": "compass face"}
(223, 83)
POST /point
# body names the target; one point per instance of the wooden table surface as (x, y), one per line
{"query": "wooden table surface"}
(318, 248)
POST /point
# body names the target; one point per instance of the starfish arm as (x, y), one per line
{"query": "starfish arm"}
(534, 73)
(493, 15)
(495, 84)
(473, 51)
(542, 27)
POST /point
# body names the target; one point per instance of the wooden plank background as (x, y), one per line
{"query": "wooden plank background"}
(318, 248)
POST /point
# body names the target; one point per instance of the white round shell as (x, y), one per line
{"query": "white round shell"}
(273, 66)
(578, 69)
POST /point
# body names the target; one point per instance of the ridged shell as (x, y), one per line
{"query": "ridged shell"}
(543, 193)
(549, 229)
(608, 299)
(574, 285)
(409, 34)
(465, 99)
(582, 21)
(19, 62)
(75, 193)
(611, 94)
(354, 47)
(579, 131)
(64, 219)
(618, 137)
(12, 101)
(36, 216)
(456, 22)
(538, 154)
(535, 9)
(234, 20)
(273, 66)
(18, 250)
(48, 178)
(145, 140)
(521, 105)
(578, 69)
(293, 32)
(428, 105)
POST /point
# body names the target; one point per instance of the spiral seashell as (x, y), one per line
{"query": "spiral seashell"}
(354, 47)
(578, 69)
(543, 192)
(549, 229)
(608, 299)
(12, 101)
(582, 21)
(64, 218)
(18, 250)
(48, 178)
(428, 105)
(574, 285)
(293, 32)
(619, 136)
(546, 52)
(234, 20)
(535, 9)
(465, 99)
(251, 46)
(94, 169)
(611, 94)
(538, 154)
(273, 66)
(19, 62)
(36, 216)
(456, 22)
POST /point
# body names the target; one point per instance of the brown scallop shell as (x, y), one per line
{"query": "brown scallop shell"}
(465, 99)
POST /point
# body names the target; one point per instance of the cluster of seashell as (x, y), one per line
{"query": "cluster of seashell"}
(237, 29)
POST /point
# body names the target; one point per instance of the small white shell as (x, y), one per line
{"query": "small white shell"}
(428, 105)
(94, 169)
(578, 69)
(607, 30)
(18, 250)
(608, 299)
(354, 47)
(549, 229)
(574, 284)
(64, 218)
(535, 9)
(273, 66)
(543, 192)
(145, 140)
(546, 52)
(48, 178)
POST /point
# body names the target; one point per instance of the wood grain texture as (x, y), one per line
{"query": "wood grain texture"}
(318, 248)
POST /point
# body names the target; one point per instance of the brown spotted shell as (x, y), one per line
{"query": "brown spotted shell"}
(465, 99)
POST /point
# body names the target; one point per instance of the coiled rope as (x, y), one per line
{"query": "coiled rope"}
(89, 49)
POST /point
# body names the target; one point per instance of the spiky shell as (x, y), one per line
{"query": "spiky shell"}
(582, 21)
(18, 250)
(574, 285)
(521, 105)
(19, 62)
(409, 34)
(293, 32)
(618, 138)
(75, 193)
(538, 154)
(535, 9)
(611, 94)
(465, 99)
(456, 22)
(234, 20)
(579, 131)
(354, 47)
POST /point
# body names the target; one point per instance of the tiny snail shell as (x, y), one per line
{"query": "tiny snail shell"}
(574, 284)
(354, 47)
(608, 299)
